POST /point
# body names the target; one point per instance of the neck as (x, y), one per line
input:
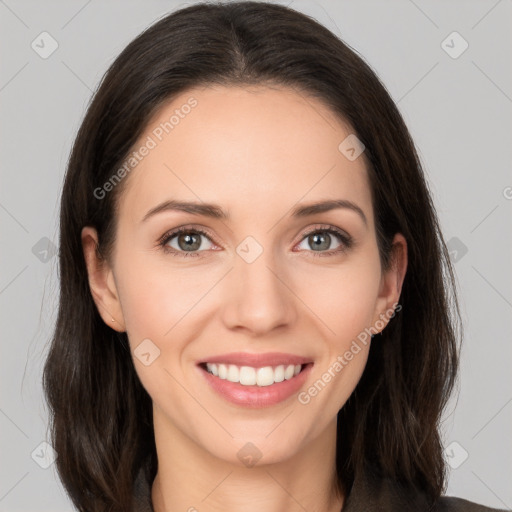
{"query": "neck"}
(192, 479)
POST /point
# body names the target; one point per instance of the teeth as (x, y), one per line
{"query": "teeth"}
(249, 376)
(265, 376)
(288, 373)
(279, 374)
(233, 373)
(223, 371)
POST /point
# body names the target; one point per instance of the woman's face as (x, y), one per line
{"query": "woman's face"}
(263, 280)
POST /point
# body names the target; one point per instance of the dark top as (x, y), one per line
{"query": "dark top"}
(369, 493)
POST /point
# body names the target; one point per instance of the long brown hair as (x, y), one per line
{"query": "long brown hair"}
(100, 414)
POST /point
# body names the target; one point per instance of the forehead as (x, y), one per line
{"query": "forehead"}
(246, 148)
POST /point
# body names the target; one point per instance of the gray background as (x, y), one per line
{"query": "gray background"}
(457, 109)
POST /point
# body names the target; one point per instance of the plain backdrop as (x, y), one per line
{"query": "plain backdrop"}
(446, 64)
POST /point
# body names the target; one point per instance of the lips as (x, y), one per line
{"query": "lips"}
(256, 380)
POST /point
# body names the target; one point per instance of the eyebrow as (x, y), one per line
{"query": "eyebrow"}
(216, 212)
(208, 210)
(324, 206)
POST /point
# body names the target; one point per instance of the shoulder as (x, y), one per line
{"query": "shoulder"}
(451, 504)
(373, 492)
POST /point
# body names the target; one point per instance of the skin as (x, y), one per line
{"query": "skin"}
(257, 152)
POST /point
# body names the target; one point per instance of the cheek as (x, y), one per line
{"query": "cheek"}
(157, 304)
(154, 299)
(342, 298)
(343, 301)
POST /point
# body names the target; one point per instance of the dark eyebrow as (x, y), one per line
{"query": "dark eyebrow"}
(216, 212)
(324, 206)
(208, 210)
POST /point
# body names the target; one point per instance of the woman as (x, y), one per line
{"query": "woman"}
(257, 306)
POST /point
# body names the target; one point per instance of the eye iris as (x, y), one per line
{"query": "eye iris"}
(191, 242)
(319, 241)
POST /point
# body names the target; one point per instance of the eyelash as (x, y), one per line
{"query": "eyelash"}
(345, 240)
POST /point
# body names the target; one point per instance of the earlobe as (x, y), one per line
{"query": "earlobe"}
(101, 281)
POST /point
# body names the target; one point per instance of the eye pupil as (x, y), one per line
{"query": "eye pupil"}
(320, 241)
(189, 242)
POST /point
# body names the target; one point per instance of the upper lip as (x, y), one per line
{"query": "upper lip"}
(257, 360)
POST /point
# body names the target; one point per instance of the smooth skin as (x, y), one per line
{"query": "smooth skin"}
(256, 152)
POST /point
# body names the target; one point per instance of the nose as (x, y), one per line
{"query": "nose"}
(258, 297)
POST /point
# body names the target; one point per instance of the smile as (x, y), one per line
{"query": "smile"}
(255, 387)
(249, 376)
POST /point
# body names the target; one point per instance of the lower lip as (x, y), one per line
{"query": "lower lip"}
(257, 396)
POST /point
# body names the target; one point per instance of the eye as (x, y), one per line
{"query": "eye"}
(186, 241)
(325, 241)
(320, 241)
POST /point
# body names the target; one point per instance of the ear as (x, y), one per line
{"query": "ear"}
(101, 281)
(391, 284)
